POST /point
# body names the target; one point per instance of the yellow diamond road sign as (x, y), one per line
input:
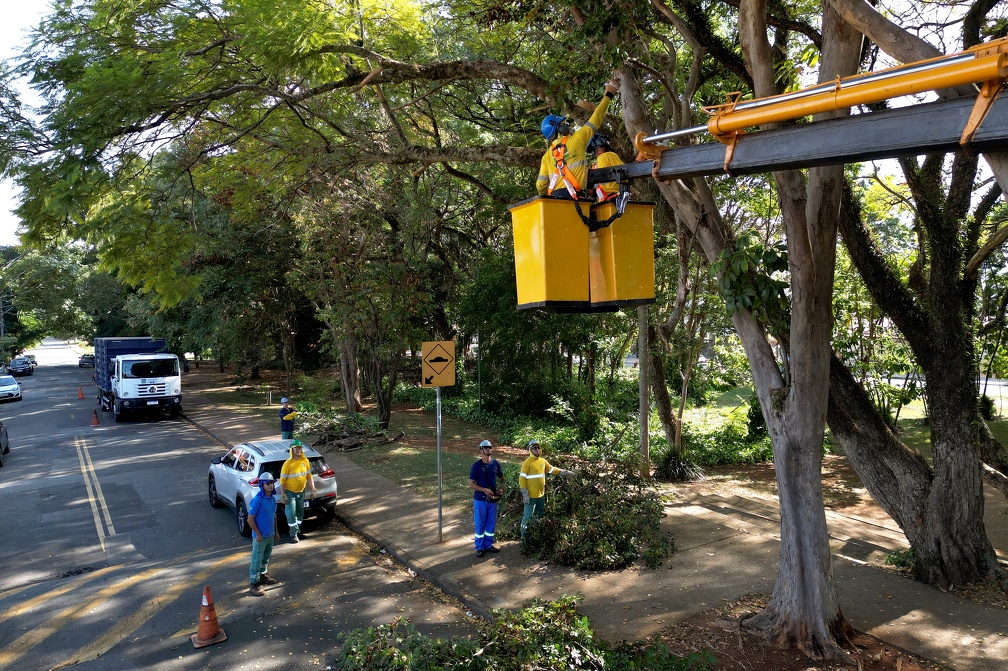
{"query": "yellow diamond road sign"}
(438, 367)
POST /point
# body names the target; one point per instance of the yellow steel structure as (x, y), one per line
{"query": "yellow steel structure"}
(987, 62)
(621, 257)
(551, 253)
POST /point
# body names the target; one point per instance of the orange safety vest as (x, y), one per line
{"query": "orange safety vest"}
(562, 171)
(601, 195)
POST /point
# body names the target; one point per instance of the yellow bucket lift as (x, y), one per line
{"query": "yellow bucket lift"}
(621, 256)
(561, 265)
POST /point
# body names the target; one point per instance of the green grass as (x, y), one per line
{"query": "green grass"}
(417, 468)
(249, 401)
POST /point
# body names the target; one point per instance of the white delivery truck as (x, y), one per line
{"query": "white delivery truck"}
(136, 375)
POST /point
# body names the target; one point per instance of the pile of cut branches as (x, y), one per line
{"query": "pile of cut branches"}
(345, 433)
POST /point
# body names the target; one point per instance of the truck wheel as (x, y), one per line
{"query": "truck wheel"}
(173, 413)
(117, 411)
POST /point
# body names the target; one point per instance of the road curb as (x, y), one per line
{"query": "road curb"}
(452, 589)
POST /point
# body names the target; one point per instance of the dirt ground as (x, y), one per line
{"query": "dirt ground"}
(717, 630)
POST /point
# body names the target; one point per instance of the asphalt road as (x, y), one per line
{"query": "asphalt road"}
(108, 540)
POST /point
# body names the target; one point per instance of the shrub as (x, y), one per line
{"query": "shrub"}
(542, 635)
(901, 559)
(755, 421)
(399, 645)
(677, 468)
(602, 519)
(725, 444)
(987, 407)
(313, 394)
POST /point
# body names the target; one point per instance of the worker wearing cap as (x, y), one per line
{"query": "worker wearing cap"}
(532, 482)
(287, 415)
(563, 169)
(262, 521)
(295, 478)
(485, 477)
(604, 157)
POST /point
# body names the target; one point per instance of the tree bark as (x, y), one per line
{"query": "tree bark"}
(804, 609)
(644, 371)
(941, 509)
(349, 370)
(659, 387)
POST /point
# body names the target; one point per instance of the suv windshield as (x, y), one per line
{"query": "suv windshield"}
(154, 368)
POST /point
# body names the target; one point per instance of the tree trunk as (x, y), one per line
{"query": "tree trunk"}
(643, 369)
(349, 371)
(659, 387)
(939, 510)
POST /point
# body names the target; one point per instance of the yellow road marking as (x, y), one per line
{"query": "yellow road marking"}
(351, 557)
(95, 496)
(131, 623)
(26, 642)
(52, 594)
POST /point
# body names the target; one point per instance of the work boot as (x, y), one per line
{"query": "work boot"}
(493, 549)
(295, 539)
(265, 579)
(480, 553)
(256, 589)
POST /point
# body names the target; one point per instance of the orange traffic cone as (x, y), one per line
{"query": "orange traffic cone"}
(80, 393)
(94, 418)
(209, 631)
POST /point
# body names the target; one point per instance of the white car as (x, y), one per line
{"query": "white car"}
(10, 390)
(234, 479)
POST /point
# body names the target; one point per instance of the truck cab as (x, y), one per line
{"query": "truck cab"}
(146, 382)
(135, 376)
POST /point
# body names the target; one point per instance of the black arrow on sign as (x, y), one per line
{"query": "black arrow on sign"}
(428, 380)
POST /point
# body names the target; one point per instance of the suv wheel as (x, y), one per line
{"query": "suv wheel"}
(212, 494)
(241, 513)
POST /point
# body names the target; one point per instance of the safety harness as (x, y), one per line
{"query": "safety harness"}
(559, 152)
(563, 172)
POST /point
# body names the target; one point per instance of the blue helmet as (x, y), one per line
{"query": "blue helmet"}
(599, 140)
(550, 124)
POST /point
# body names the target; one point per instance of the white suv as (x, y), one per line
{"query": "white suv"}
(234, 479)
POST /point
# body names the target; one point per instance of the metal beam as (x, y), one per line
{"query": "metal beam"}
(906, 131)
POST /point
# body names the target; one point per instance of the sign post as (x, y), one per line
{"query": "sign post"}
(437, 369)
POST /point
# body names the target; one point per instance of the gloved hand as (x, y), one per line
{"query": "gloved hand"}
(566, 474)
(612, 86)
(526, 499)
(283, 500)
(311, 494)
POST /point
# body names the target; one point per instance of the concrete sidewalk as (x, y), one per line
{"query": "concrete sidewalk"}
(727, 547)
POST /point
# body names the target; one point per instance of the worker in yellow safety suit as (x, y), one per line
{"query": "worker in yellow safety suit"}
(566, 162)
(605, 157)
(532, 482)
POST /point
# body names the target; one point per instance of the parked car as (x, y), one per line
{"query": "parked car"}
(10, 389)
(234, 479)
(4, 443)
(86, 361)
(20, 365)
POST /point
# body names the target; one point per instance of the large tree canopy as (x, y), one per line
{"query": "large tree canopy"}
(357, 157)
